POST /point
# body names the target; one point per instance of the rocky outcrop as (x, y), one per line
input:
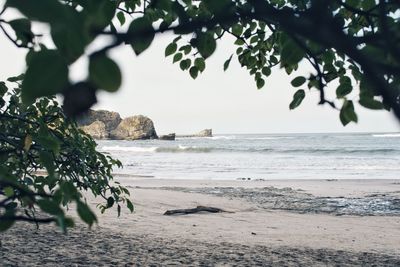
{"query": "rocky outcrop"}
(169, 137)
(110, 119)
(203, 133)
(103, 124)
(97, 130)
(134, 128)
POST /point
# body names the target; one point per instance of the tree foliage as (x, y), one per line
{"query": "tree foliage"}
(354, 44)
(47, 163)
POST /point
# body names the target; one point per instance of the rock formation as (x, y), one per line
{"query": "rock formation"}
(110, 119)
(134, 128)
(103, 124)
(203, 133)
(97, 130)
(170, 137)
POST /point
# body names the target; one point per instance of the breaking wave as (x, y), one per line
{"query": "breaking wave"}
(197, 149)
(387, 135)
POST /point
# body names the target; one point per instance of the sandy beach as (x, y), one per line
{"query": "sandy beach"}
(273, 222)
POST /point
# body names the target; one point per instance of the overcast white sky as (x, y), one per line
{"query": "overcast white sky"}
(227, 102)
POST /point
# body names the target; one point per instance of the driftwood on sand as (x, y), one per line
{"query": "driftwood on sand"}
(194, 210)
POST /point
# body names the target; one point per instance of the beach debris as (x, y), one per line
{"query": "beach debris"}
(194, 210)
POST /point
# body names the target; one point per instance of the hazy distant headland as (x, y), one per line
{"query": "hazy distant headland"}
(104, 124)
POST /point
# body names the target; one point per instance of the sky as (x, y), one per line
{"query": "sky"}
(227, 102)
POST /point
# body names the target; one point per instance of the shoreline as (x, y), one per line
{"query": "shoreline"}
(252, 235)
(317, 187)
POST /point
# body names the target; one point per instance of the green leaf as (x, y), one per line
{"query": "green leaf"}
(163, 5)
(200, 64)
(22, 28)
(69, 190)
(291, 53)
(105, 73)
(368, 4)
(121, 17)
(119, 210)
(237, 29)
(260, 83)
(50, 207)
(98, 13)
(297, 99)
(7, 223)
(65, 223)
(47, 11)
(239, 42)
(371, 103)
(8, 191)
(47, 74)
(47, 160)
(194, 71)
(176, 39)
(16, 78)
(141, 34)
(46, 139)
(129, 205)
(185, 64)
(266, 71)
(205, 44)
(298, 81)
(177, 57)
(186, 49)
(367, 88)
(86, 214)
(70, 40)
(227, 62)
(170, 49)
(347, 113)
(110, 202)
(217, 7)
(344, 87)
(3, 89)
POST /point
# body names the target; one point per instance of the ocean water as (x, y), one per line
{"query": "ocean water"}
(262, 156)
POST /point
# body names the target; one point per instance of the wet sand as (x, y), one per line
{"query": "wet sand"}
(268, 224)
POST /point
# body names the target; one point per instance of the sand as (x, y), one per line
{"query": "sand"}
(268, 224)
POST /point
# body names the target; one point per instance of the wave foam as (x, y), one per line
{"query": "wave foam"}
(179, 148)
(220, 137)
(386, 135)
(196, 149)
(129, 148)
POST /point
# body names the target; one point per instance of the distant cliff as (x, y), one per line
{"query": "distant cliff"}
(136, 127)
(110, 119)
(103, 124)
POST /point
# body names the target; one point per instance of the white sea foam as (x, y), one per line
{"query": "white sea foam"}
(181, 148)
(175, 149)
(266, 138)
(220, 137)
(129, 148)
(386, 135)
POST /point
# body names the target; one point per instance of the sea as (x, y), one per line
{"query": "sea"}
(261, 156)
